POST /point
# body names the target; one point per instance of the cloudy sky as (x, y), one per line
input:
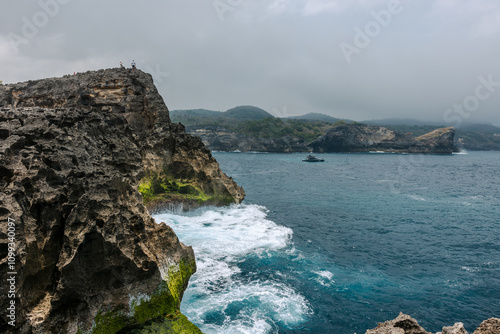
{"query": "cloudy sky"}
(358, 59)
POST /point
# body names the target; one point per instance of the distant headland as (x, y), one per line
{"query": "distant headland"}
(249, 128)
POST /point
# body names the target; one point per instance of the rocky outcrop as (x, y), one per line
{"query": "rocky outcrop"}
(404, 324)
(490, 326)
(341, 138)
(364, 138)
(439, 141)
(76, 237)
(220, 139)
(457, 328)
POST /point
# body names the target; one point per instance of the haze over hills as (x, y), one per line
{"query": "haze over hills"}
(318, 117)
(255, 113)
(401, 121)
(242, 113)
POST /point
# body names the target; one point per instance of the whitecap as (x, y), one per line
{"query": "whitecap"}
(417, 198)
(324, 277)
(221, 298)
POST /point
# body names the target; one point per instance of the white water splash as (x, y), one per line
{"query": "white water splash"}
(221, 298)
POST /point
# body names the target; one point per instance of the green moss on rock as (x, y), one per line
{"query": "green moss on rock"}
(172, 324)
(157, 188)
(158, 313)
(160, 303)
(177, 280)
(109, 322)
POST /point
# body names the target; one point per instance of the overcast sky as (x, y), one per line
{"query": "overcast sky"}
(356, 59)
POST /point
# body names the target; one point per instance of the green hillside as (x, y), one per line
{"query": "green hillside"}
(273, 128)
(247, 113)
(316, 117)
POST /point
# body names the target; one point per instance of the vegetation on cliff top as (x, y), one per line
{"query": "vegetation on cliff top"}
(276, 128)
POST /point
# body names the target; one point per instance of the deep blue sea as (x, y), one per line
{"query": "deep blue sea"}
(338, 246)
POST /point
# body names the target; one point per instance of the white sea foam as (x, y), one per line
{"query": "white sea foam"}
(462, 151)
(324, 277)
(221, 298)
(417, 198)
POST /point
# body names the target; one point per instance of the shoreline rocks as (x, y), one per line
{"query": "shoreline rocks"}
(404, 324)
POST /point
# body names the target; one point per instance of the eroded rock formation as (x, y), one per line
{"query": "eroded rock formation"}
(73, 153)
(364, 138)
(404, 324)
(220, 139)
(339, 138)
(490, 326)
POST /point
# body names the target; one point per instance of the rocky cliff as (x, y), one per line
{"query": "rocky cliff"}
(337, 138)
(80, 156)
(404, 324)
(220, 139)
(364, 138)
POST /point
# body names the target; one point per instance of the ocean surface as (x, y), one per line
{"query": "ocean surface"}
(338, 246)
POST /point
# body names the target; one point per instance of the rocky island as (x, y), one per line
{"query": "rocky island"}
(82, 158)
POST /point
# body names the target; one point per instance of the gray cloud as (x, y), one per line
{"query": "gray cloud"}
(283, 55)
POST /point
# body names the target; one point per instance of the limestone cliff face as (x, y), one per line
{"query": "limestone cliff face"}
(73, 153)
(363, 138)
(404, 324)
(220, 139)
(342, 138)
(439, 141)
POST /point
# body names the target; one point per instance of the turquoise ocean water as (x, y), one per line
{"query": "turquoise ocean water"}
(338, 246)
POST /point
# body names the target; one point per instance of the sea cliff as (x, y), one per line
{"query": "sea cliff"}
(364, 138)
(355, 137)
(82, 158)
